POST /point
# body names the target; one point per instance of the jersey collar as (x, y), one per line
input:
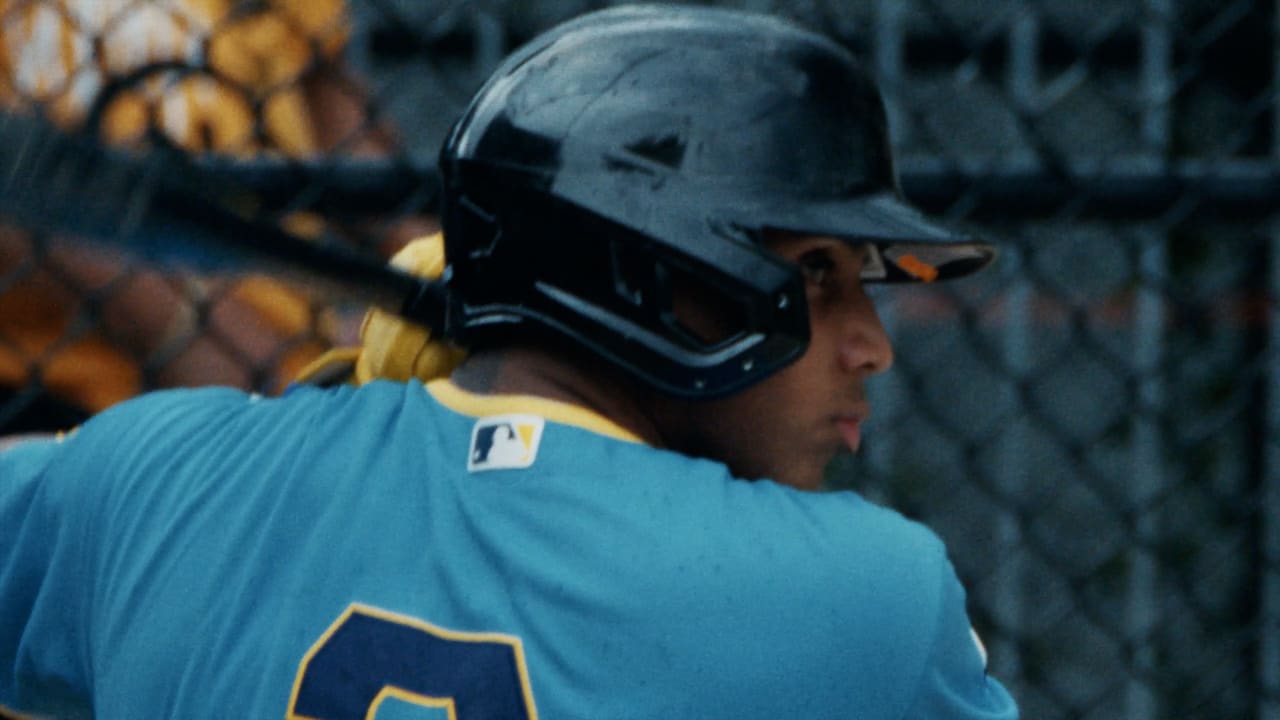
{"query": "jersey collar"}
(478, 406)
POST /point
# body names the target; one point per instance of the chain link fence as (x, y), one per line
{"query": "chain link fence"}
(1091, 425)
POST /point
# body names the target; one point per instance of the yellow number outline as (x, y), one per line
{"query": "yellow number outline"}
(447, 703)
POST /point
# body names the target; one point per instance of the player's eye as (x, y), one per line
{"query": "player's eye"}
(817, 266)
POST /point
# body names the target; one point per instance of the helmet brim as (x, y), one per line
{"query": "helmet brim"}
(913, 247)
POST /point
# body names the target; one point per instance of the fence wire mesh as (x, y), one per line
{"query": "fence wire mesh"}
(1092, 425)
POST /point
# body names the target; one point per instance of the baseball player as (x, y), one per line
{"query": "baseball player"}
(658, 226)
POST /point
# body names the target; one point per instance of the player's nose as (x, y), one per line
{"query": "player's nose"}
(865, 347)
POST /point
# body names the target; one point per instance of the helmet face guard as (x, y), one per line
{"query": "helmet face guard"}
(627, 155)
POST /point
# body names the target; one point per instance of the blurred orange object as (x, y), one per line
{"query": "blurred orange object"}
(207, 76)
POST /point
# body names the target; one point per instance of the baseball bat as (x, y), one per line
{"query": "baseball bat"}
(163, 208)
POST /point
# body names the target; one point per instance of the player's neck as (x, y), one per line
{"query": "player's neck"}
(532, 371)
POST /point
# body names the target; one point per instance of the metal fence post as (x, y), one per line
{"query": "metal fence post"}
(1013, 470)
(1022, 79)
(1157, 77)
(1268, 658)
(490, 34)
(1143, 598)
(1269, 602)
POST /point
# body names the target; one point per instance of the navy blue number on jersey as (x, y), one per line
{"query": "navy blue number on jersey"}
(369, 656)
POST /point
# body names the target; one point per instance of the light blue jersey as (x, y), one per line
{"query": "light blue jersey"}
(399, 552)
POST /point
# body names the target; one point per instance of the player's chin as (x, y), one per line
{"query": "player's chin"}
(807, 473)
(816, 477)
(805, 482)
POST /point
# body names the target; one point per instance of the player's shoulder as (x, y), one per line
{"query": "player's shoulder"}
(151, 401)
(838, 545)
(823, 580)
(23, 458)
(877, 530)
(872, 542)
(843, 524)
(159, 408)
(161, 418)
(853, 560)
(203, 402)
(839, 526)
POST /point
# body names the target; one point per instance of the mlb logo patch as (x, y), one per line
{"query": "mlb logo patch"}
(505, 442)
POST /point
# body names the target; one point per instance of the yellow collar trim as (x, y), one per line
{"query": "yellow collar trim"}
(478, 406)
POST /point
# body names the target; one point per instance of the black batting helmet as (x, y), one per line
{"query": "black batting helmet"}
(644, 148)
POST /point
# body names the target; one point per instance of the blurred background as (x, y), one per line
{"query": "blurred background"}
(1091, 425)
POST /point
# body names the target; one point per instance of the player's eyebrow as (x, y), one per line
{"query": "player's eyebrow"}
(859, 251)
